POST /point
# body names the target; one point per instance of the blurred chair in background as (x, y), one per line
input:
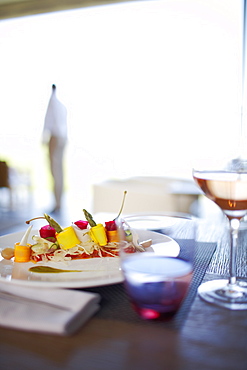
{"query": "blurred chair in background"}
(5, 184)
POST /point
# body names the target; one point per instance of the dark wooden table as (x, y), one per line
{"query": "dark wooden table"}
(211, 338)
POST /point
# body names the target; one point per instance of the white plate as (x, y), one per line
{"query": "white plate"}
(94, 271)
(154, 221)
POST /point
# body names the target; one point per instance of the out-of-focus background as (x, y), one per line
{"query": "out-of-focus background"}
(149, 86)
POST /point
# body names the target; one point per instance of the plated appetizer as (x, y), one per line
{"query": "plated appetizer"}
(82, 240)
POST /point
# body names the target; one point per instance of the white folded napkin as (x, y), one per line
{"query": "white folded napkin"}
(54, 311)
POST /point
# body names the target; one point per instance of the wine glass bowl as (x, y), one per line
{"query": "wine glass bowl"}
(226, 187)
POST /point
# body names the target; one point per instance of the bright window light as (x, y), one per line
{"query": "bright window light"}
(148, 86)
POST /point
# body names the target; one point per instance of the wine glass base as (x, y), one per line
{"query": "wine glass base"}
(219, 293)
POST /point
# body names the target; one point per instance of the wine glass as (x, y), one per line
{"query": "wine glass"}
(157, 265)
(226, 187)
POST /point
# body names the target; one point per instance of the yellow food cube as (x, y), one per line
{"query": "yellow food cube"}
(67, 238)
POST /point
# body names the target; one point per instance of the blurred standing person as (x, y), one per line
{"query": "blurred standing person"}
(55, 136)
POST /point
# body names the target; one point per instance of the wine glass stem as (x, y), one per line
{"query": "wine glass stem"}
(234, 227)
